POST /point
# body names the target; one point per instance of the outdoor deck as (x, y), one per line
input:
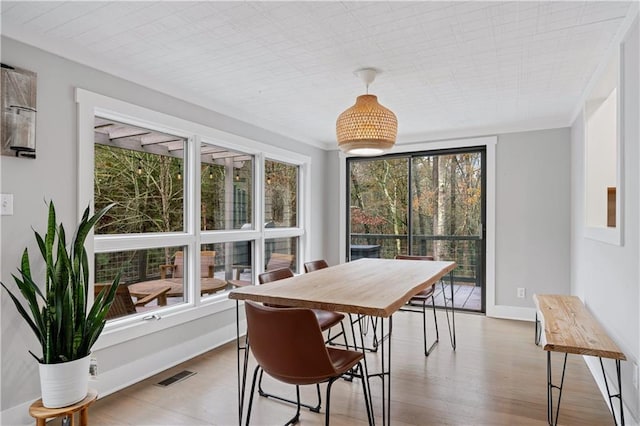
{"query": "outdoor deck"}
(465, 296)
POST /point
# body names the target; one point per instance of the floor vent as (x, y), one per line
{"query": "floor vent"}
(176, 378)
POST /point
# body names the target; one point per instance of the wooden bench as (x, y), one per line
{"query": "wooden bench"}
(563, 324)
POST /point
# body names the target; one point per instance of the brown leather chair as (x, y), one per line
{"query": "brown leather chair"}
(326, 320)
(274, 336)
(421, 300)
(276, 261)
(314, 265)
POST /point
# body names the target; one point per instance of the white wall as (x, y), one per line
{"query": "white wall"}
(532, 215)
(606, 276)
(53, 175)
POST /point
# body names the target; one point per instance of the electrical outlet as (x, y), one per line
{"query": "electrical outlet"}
(93, 368)
(6, 204)
(521, 293)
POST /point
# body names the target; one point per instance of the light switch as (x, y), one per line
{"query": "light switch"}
(6, 204)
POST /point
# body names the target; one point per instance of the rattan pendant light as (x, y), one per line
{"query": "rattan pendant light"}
(367, 128)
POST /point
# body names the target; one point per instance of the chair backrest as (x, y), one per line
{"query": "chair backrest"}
(407, 257)
(122, 304)
(275, 275)
(207, 263)
(314, 265)
(288, 344)
(279, 261)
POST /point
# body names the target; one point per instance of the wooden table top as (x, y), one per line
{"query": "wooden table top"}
(377, 287)
(207, 286)
(568, 327)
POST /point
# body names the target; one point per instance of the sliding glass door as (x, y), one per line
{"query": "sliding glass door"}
(428, 203)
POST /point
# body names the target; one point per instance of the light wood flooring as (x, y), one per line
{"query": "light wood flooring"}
(497, 376)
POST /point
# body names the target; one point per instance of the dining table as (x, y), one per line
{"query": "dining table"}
(368, 286)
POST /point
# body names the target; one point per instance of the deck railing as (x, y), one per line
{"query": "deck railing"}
(466, 251)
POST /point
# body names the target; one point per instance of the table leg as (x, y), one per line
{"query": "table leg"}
(242, 368)
(450, 323)
(618, 395)
(365, 372)
(550, 387)
(84, 417)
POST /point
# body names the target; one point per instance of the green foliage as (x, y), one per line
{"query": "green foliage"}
(59, 317)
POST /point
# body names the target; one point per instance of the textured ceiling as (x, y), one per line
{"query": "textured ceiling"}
(449, 68)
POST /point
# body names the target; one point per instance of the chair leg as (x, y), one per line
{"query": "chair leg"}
(330, 339)
(295, 418)
(315, 408)
(435, 318)
(344, 334)
(424, 325)
(291, 421)
(326, 413)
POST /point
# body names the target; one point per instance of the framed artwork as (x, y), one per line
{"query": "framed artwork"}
(18, 120)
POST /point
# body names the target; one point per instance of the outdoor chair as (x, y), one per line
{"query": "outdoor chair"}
(207, 265)
(123, 303)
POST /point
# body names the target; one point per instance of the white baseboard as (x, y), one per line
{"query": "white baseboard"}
(140, 369)
(511, 312)
(17, 416)
(596, 372)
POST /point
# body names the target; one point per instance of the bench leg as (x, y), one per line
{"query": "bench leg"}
(550, 387)
(538, 331)
(618, 395)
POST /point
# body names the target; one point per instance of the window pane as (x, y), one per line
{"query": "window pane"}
(281, 195)
(145, 273)
(378, 209)
(226, 189)
(141, 171)
(281, 253)
(446, 198)
(232, 261)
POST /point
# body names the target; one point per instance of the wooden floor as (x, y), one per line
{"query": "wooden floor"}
(497, 376)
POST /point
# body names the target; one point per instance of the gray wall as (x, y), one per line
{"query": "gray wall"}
(532, 214)
(53, 175)
(606, 276)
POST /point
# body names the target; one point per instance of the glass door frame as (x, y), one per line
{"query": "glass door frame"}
(486, 144)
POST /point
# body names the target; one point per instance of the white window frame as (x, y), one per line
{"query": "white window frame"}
(303, 223)
(89, 105)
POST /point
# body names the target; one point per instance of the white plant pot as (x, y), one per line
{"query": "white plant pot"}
(64, 384)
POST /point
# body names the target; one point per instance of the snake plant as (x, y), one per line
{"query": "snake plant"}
(58, 313)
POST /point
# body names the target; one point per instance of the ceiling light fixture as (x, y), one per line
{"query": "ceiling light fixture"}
(367, 128)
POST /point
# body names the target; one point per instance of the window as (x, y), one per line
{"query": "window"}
(141, 172)
(226, 186)
(281, 194)
(194, 208)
